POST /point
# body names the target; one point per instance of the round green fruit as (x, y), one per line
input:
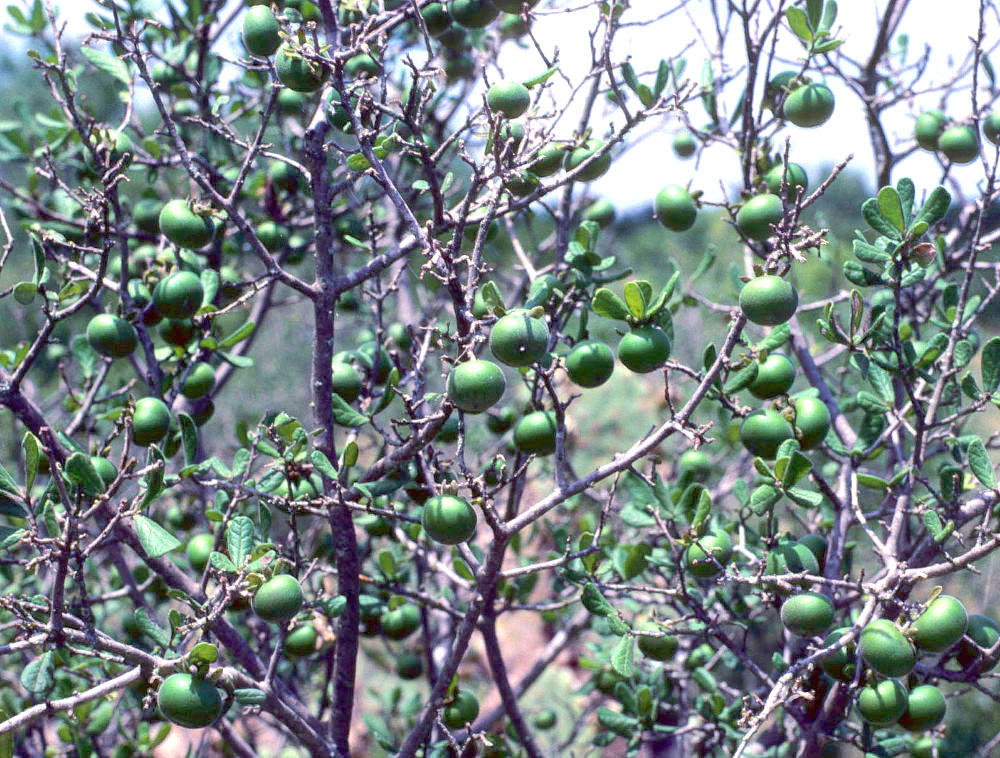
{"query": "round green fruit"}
(448, 519)
(199, 548)
(361, 65)
(475, 386)
(959, 144)
(436, 18)
(887, 650)
(501, 420)
(297, 73)
(768, 300)
(815, 544)
(807, 614)
(809, 105)
(928, 128)
(775, 376)
(409, 665)
(509, 98)
(549, 160)
(399, 334)
(189, 702)
(991, 127)
(535, 434)
(575, 158)
(278, 599)
(301, 641)
(659, 648)
(346, 381)
(644, 349)
(812, 419)
(151, 421)
(382, 366)
(675, 208)
(111, 336)
(284, 176)
(882, 704)
(461, 711)
(546, 719)
(146, 215)
(942, 625)
(763, 431)
(178, 295)
(184, 227)
(984, 632)
(590, 363)
(684, 144)
(517, 339)
(260, 31)
(601, 212)
(400, 623)
(697, 463)
(795, 178)
(716, 544)
(177, 331)
(473, 14)
(839, 664)
(449, 430)
(105, 469)
(926, 747)
(757, 216)
(272, 236)
(925, 709)
(199, 382)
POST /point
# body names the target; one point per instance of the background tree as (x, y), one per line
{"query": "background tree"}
(344, 418)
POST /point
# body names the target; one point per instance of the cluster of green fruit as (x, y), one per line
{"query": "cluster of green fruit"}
(956, 142)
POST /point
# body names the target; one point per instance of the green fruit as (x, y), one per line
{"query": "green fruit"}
(925, 748)
(763, 431)
(590, 363)
(473, 14)
(180, 518)
(291, 101)
(511, 26)
(991, 127)
(942, 625)
(758, 214)
(189, 702)
(882, 704)
(272, 236)
(184, 227)
(512, 131)
(809, 105)
(840, 664)
(925, 709)
(812, 419)
(260, 31)
(436, 18)
(521, 184)
(778, 86)
(697, 463)
(644, 349)
(598, 168)
(768, 300)
(684, 144)
(807, 614)
(296, 73)
(661, 648)
(199, 382)
(514, 6)
(475, 386)
(278, 599)
(886, 649)
(984, 632)
(146, 215)
(601, 212)
(151, 421)
(449, 430)
(399, 334)
(775, 376)
(301, 641)
(178, 295)
(815, 544)
(509, 98)
(177, 331)
(500, 421)
(382, 367)
(448, 519)
(716, 544)
(791, 558)
(546, 719)
(959, 144)
(461, 711)
(928, 128)
(105, 469)
(199, 548)
(111, 336)
(795, 178)
(346, 381)
(549, 160)
(675, 208)
(284, 176)
(401, 622)
(361, 65)
(409, 665)
(517, 339)
(535, 434)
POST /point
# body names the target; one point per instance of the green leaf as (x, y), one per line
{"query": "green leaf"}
(709, 96)
(30, 451)
(345, 415)
(777, 337)
(701, 513)
(189, 437)
(979, 462)
(221, 561)
(891, 208)
(82, 473)
(829, 16)
(990, 365)
(153, 480)
(805, 498)
(203, 652)
(906, 192)
(628, 74)
(635, 301)
(322, 464)
(799, 23)
(237, 336)
(871, 481)
(932, 522)
(108, 63)
(619, 723)
(798, 466)
(763, 498)
(249, 696)
(631, 560)
(606, 303)
(541, 78)
(814, 12)
(881, 381)
(623, 657)
(742, 378)
(594, 601)
(936, 206)
(37, 676)
(156, 540)
(492, 297)
(873, 215)
(239, 539)
(358, 162)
